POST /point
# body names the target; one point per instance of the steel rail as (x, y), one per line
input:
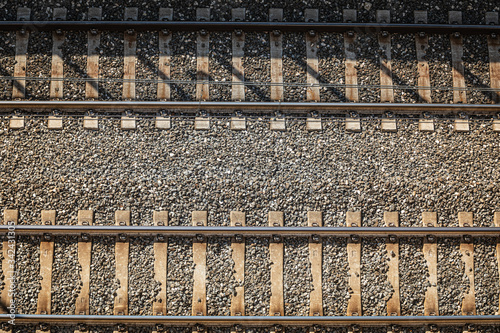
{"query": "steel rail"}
(248, 26)
(269, 107)
(190, 231)
(253, 320)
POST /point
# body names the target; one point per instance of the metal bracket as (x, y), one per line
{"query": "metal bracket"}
(44, 327)
(355, 238)
(392, 238)
(82, 327)
(277, 239)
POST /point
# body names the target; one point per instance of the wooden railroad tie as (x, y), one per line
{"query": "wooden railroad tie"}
(276, 47)
(129, 55)
(276, 252)
(22, 38)
(164, 58)
(202, 50)
(122, 248)
(57, 76)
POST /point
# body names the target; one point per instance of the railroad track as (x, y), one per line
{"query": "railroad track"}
(350, 87)
(158, 277)
(239, 233)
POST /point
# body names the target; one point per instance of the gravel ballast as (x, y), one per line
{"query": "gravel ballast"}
(74, 51)
(38, 66)
(330, 11)
(257, 64)
(257, 277)
(297, 277)
(367, 50)
(142, 287)
(404, 68)
(413, 275)
(486, 276)
(335, 276)
(7, 63)
(453, 284)
(180, 276)
(220, 280)
(146, 71)
(103, 282)
(375, 288)
(439, 58)
(27, 273)
(183, 65)
(294, 67)
(220, 66)
(66, 282)
(254, 171)
(477, 69)
(331, 63)
(111, 66)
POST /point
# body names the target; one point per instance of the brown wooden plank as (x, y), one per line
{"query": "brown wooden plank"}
(276, 47)
(10, 218)
(164, 39)
(57, 69)
(384, 40)
(457, 64)
(55, 122)
(162, 122)
(353, 219)
(22, 38)
(389, 125)
(85, 217)
(465, 219)
(122, 247)
(422, 45)
(202, 49)
(238, 41)
(160, 218)
(199, 308)
(276, 307)
(16, 122)
(129, 55)
(494, 55)
(312, 47)
(496, 220)
(314, 124)
(315, 219)
(238, 219)
(46, 260)
(351, 73)
(94, 41)
(353, 124)
(431, 304)
(91, 123)
(201, 123)
(238, 123)
(426, 125)
(391, 219)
